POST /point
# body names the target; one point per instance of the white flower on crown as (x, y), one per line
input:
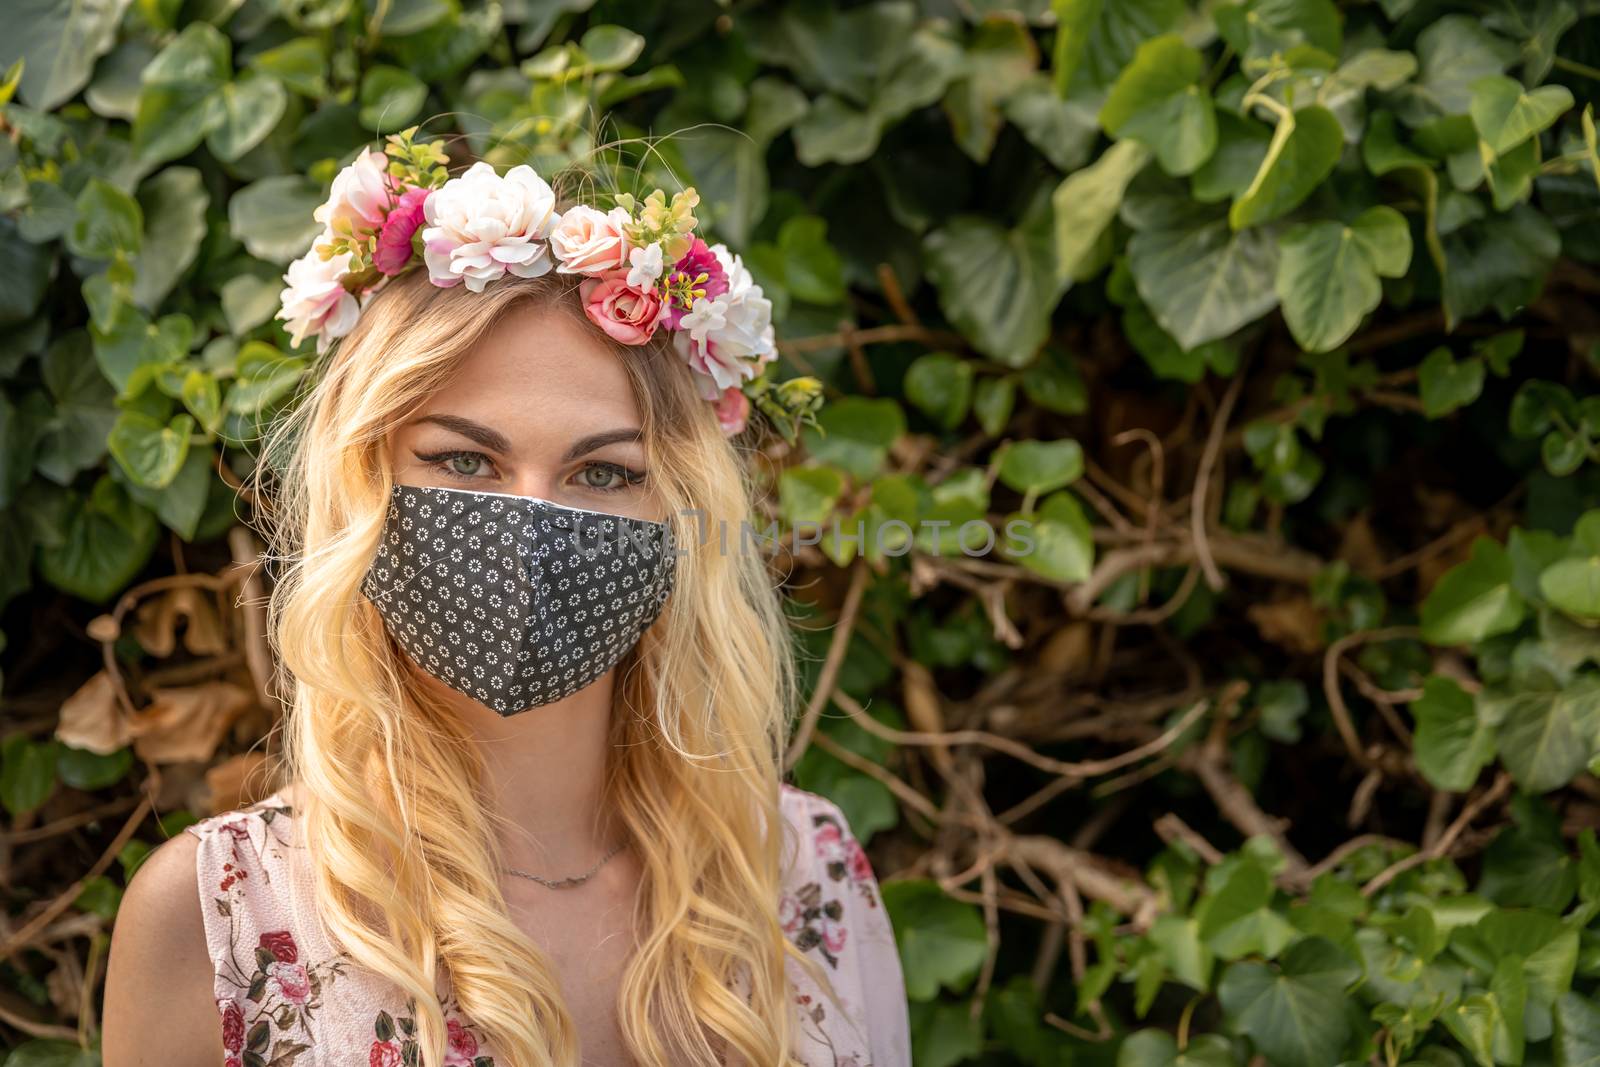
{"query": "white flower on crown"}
(482, 226)
(645, 265)
(362, 192)
(315, 301)
(726, 340)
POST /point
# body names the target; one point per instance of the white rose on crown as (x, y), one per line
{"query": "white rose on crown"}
(315, 300)
(482, 226)
(726, 340)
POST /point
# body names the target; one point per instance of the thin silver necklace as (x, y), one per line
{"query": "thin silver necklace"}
(568, 883)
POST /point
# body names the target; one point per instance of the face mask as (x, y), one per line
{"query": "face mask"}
(513, 600)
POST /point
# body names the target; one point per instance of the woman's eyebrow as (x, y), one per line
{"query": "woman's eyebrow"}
(595, 441)
(488, 437)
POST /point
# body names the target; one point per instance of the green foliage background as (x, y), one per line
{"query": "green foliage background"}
(1274, 318)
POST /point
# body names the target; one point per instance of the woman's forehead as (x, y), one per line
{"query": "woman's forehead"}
(539, 373)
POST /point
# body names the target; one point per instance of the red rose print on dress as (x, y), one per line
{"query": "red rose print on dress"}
(293, 982)
(462, 1046)
(232, 1027)
(281, 944)
(384, 1054)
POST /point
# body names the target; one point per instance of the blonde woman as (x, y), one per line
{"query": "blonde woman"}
(531, 811)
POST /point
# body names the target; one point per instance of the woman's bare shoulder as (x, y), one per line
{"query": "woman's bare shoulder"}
(158, 994)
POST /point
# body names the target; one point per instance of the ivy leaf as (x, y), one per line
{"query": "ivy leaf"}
(1293, 1015)
(107, 540)
(1305, 146)
(1499, 262)
(940, 384)
(1056, 541)
(1328, 274)
(272, 217)
(150, 450)
(1577, 1031)
(173, 202)
(998, 286)
(391, 98)
(1506, 114)
(1040, 466)
(1259, 28)
(942, 940)
(1446, 384)
(1156, 101)
(855, 433)
(1087, 200)
(1095, 39)
(1452, 744)
(1452, 54)
(250, 108)
(61, 42)
(1157, 1048)
(180, 101)
(107, 221)
(1473, 600)
(1202, 280)
(1546, 735)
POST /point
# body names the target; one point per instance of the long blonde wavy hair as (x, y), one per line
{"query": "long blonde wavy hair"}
(403, 850)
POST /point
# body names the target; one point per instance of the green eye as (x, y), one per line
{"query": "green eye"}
(472, 461)
(608, 477)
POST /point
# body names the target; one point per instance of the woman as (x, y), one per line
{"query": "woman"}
(534, 744)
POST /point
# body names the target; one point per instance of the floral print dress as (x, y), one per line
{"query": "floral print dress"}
(287, 998)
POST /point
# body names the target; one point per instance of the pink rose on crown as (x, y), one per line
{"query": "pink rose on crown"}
(361, 194)
(623, 312)
(733, 410)
(394, 240)
(588, 241)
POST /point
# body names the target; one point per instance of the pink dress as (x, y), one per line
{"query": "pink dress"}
(288, 998)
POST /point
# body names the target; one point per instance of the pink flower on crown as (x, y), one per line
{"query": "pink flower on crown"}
(315, 301)
(733, 409)
(394, 240)
(729, 337)
(482, 226)
(361, 194)
(588, 241)
(629, 315)
(699, 258)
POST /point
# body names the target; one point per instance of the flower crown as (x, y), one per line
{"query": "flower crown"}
(643, 268)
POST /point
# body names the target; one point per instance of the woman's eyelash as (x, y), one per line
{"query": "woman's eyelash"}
(440, 462)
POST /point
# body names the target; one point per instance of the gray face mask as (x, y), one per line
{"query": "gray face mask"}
(513, 600)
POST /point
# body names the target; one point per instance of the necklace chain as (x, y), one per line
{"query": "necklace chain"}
(575, 880)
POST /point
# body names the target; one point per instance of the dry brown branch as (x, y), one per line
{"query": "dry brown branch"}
(1199, 511)
(64, 900)
(1441, 847)
(1330, 684)
(830, 663)
(1172, 828)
